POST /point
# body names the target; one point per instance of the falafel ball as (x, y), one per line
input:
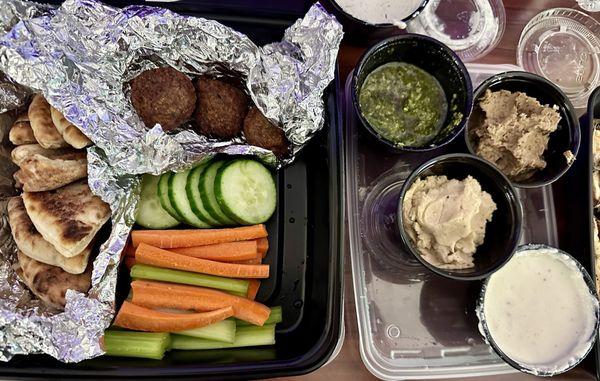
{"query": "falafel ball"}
(165, 96)
(260, 132)
(221, 108)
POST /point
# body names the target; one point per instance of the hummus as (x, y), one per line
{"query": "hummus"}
(514, 133)
(445, 219)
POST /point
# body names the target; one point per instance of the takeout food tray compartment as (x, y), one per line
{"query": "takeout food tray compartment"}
(414, 324)
(304, 255)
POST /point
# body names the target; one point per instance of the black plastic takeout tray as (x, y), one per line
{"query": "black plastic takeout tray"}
(304, 254)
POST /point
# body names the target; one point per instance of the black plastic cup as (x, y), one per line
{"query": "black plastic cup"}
(566, 138)
(502, 233)
(484, 329)
(359, 32)
(436, 59)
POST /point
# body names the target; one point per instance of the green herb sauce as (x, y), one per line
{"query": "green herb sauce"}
(403, 103)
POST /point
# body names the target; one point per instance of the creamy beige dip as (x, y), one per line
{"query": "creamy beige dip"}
(539, 310)
(445, 219)
(514, 132)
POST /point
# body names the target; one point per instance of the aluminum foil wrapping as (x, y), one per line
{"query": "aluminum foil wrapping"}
(81, 56)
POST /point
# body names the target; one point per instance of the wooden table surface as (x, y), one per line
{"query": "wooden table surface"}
(348, 365)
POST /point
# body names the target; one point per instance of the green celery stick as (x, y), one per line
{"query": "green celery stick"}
(274, 318)
(220, 331)
(249, 336)
(136, 344)
(239, 286)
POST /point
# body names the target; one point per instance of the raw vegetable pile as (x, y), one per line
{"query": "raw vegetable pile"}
(195, 288)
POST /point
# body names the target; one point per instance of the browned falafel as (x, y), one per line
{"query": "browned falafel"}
(221, 108)
(164, 96)
(260, 132)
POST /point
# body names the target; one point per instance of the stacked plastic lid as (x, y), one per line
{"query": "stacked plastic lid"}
(564, 46)
(472, 28)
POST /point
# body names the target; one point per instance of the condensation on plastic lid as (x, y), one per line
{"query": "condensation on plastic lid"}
(472, 28)
(563, 45)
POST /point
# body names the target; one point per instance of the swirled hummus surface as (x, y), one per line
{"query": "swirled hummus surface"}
(446, 219)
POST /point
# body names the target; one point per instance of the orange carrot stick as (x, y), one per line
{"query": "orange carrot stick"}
(222, 252)
(253, 285)
(153, 294)
(168, 239)
(139, 318)
(153, 256)
(263, 246)
(253, 261)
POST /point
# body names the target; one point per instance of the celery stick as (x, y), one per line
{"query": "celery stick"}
(250, 336)
(139, 271)
(274, 318)
(220, 331)
(136, 344)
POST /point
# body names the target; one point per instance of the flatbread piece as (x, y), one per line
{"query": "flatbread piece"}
(41, 123)
(68, 217)
(44, 169)
(50, 283)
(68, 130)
(21, 132)
(32, 244)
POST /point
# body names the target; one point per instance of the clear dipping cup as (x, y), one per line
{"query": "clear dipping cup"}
(563, 45)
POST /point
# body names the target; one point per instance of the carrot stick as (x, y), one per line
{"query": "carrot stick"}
(168, 239)
(222, 252)
(168, 295)
(263, 246)
(253, 286)
(139, 318)
(129, 262)
(253, 261)
(153, 256)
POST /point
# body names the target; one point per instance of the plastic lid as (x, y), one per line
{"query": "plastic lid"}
(564, 46)
(589, 5)
(472, 28)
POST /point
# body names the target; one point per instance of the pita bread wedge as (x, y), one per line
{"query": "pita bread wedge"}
(68, 130)
(50, 283)
(68, 217)
(21, 132)
(44, 169)
(32, 244)
(41, 123)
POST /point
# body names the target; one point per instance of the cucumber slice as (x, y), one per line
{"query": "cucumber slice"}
(207, 192)
(192, 188)
(163, 196)
(150, 214)
(180, 202)
(246, 191)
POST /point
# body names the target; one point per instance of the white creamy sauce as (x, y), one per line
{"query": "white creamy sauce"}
(539, 310)
(380, 11)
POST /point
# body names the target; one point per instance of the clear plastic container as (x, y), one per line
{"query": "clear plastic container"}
(472, 28)
(414, 324)
(563, 45)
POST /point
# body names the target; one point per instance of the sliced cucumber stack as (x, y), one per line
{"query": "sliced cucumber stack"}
(150, 213)
(194, 195)
(179, 200)
(245, 190)
(207, 192)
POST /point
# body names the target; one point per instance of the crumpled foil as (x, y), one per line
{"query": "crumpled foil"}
(81, 56)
